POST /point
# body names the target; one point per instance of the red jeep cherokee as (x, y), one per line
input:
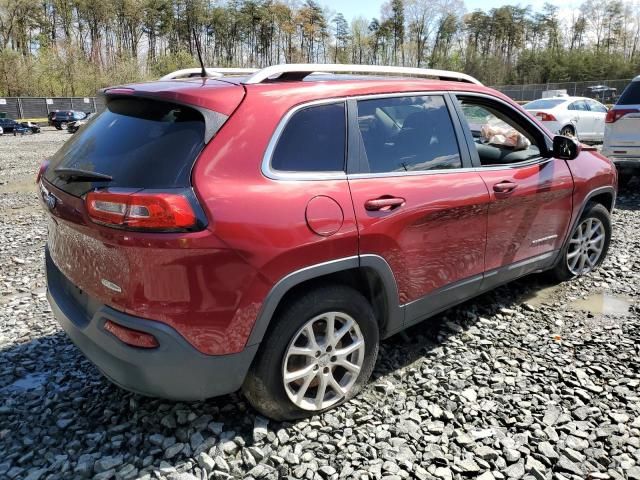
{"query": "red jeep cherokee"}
(265, 232)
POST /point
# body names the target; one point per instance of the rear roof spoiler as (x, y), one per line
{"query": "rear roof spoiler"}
(213, 72)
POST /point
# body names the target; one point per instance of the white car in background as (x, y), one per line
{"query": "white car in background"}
(578, 117)
(622, 133)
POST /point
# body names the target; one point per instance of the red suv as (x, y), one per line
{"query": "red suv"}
(265, 232)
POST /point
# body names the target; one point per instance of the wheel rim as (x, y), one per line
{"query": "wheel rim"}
(567, 132)
(323, 361)
(586, 246)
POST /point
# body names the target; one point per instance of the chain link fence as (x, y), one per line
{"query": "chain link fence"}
(526, 93)
(40, 107)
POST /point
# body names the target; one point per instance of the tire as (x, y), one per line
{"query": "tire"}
(265, 387)
(594, 215)
(63, 126)
(58, 126)
(568, 131)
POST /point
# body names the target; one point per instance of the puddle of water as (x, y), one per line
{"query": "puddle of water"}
(540, 297)
(603, 304)
(30, 382)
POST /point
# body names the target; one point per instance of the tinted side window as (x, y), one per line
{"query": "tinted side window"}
(313, 141)
(402, 134)
(631, 95)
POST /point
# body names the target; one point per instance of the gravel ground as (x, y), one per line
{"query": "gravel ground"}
(531, 381)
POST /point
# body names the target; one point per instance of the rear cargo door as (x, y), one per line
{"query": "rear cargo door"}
(135, 144)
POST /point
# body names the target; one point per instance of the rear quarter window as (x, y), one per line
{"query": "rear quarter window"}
(313, 140)
(141, 143)
(631, 95)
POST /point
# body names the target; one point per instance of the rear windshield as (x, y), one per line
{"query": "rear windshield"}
(140, 143)
(631, 95)
(543, 104)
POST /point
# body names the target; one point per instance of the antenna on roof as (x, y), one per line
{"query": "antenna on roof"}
(203, 74)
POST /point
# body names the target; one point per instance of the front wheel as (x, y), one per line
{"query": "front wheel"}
(320, 353)
(588, 245)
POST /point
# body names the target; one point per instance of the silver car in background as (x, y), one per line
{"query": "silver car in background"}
(578, 117)
(622, 133)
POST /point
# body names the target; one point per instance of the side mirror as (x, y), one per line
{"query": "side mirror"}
(565, 148)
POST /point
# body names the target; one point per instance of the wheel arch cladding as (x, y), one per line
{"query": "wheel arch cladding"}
(605, 198)
(369, 274)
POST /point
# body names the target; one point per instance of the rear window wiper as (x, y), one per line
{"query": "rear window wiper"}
(80, 175)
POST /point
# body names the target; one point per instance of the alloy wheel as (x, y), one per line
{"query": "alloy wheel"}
(586, 246)
(323, 361)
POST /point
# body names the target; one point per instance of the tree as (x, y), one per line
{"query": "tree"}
(342, 38)
(74, 47)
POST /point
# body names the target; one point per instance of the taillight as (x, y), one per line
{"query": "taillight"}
(41, 170)
(132, 337)
(545, 117)
(141, 210)
(614, 115)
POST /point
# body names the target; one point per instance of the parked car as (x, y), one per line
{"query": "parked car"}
(265, 232)
(9, 125)
(75, 125)
(622, 132)
(602, 93)
(33, 127)
(578, 117)
(61, 118)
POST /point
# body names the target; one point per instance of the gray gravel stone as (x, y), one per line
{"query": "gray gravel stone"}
(107, 463)
(566, 465)
(547, 450)
(515, 471)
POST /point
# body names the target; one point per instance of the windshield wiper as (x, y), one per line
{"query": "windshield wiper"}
(80, 175)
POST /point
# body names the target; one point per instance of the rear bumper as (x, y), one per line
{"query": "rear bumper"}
(625, 157)
(174, 370)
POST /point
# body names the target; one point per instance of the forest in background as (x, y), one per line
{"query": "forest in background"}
(75, 47)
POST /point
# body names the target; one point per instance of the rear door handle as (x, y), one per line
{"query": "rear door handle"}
(384, 204)
(505, 187)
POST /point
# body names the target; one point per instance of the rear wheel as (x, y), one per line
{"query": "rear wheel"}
(320, 353)
(568, 131)
(58, 126)
(588, 244)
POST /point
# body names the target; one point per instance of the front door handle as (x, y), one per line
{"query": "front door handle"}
(384, 204)
(505, 187)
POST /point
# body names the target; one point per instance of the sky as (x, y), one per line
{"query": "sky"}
(371, 8)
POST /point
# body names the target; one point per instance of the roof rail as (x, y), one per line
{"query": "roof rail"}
(212, 72)
(298, 71)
